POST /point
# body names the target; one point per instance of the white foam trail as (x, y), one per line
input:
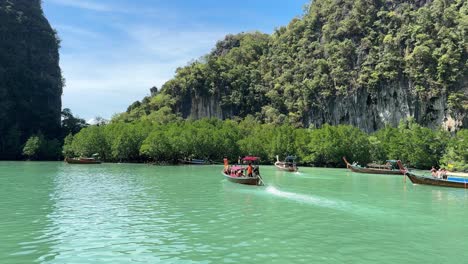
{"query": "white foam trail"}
(308, 176)
(303, 198)
(323, 202)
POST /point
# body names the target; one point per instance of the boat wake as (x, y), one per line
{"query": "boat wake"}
(323, 202)
(309, 176)
(308, 199)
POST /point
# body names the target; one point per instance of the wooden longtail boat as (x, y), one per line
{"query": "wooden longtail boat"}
(449, 182)
(390, 169)
(453, 182)
(237, 173)
(82, 161)
(287, 165)
(243, 180)
(194, 162)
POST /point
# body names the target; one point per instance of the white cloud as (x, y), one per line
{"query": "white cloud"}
(83, 4)
(111, 77)
(112, 59)
(77, 31)
(113, 6)
(174, 44)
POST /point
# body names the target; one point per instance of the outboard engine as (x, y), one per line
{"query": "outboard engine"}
(256, 170)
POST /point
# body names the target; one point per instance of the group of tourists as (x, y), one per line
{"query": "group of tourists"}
(238, 171)
(439, 174)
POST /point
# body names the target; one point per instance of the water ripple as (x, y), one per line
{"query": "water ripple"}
(58, 213)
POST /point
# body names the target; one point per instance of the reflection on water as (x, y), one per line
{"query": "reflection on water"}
(60, 213)
(24, 205)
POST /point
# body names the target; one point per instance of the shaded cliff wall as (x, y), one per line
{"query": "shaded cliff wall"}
(372, 111)
(30, 76)
(369, 111)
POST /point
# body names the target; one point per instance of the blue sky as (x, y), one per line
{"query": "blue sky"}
(113, 51)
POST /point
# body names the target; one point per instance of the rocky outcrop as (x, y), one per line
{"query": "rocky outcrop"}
(30, 76)
(363, 63)
(368, 111)
(388, 106)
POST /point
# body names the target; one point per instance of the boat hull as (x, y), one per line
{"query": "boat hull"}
(82, 161)
(243, 180)
(451, 182)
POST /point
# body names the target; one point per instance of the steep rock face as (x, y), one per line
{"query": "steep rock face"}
(359, 62)
(205, 107)
(30, 76)
(368, 111)
(198, 107)
(373, 111)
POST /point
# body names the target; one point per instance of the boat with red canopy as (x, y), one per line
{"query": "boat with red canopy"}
(239, 173)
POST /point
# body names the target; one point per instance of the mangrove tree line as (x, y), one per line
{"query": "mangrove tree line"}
(167, 142)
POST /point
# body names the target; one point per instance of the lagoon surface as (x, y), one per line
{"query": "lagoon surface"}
(126, 213)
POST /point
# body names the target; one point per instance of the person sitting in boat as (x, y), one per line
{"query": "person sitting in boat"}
(250, 170)
(442, 174)
(240, 173)
(434, 172)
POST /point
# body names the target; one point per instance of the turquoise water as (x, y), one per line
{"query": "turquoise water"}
(121, 213)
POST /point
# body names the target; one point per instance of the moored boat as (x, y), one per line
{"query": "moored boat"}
(194, 161)
(390, 168)
(82, 160)
(454, 182)
(238, 173)
(288, 164)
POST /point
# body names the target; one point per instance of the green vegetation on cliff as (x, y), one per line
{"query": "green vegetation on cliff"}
(30, 78)
(389, 68)
(412, 52)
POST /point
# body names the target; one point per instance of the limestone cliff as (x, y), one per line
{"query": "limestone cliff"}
(360, 62)
(30, 76)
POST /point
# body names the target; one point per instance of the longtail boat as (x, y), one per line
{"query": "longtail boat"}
(454, 182)
(390, 168)
(82, 161)
(238, 173)
(194, 161)
(449, 182)
(288, 164)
